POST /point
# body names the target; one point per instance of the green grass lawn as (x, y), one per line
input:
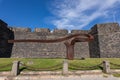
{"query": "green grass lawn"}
(44, 63)
(95, 61)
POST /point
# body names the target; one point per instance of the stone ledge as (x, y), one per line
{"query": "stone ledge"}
(59, 72)
(32, 75)
(72, 77)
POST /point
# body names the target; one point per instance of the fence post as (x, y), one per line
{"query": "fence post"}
(65, 67)
(15, 68)
(106, 67)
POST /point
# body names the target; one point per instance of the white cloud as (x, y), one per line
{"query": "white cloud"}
(76, 14)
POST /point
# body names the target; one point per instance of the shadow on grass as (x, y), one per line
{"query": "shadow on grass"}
(101, 68)
(87, 68)
(23, 68)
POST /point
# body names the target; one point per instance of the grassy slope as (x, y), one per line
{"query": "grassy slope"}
(42, 63)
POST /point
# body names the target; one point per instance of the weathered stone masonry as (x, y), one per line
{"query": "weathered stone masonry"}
(106, 42)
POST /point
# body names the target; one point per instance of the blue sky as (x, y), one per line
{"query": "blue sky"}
(60, 14)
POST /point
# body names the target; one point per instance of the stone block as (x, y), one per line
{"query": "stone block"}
(43, 30)
(80, 31)
(15, 68)
(19, 29)
(60, 31)
(65, 67)
(106, 67)
(102, 29)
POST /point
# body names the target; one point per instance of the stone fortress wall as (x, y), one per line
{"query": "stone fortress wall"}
(106, 42)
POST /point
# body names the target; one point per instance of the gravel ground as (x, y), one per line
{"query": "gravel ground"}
(82, 77)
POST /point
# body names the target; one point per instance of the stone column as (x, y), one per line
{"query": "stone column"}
(15, 68)
(106, 67)
(65, 67)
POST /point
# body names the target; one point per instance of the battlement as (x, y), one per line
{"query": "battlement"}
(81, 31)
(18, 29)
(105, 28)
(61, 31)
(46, 30)
(106, 42)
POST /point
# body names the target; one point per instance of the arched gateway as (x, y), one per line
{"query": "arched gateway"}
(69, 42)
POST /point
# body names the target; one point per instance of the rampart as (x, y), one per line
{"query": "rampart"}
(106, 42)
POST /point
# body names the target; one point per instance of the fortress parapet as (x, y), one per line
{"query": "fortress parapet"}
(44, 30)
(106, 43)
(19, 29)
(81, 31)
(103, 29)
(61, 31)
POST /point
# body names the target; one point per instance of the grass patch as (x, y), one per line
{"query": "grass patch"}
(43, 63)
(116, 75)
(33, 62)
(88, 62)
(105, 75)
